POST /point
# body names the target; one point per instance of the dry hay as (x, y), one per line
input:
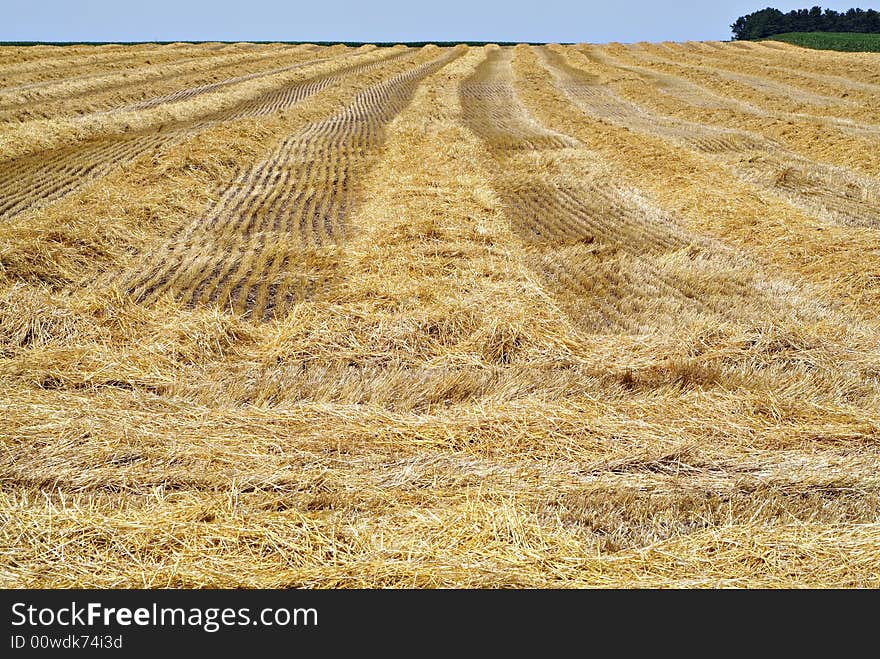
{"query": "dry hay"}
(493, 317)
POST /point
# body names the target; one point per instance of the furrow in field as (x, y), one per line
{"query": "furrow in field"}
(86, 77)
(604, 103)
(112, 56)
(40, 180)
(494, 115)
(49, 72)
(253, 251)
(191, 92)
(768, 86)
(35, 59)
(598, 247)
(147, 88)
(728, 96)
(756, 113)
(839, 109)
(609, 257)
(37, 180)
(854, 70)
(12, 90)
(713, 202)
(831, 193)
(784, 68)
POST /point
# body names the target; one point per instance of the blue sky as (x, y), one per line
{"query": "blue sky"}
(377, 20)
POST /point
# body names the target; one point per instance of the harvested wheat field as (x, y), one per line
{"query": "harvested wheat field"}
(536, 316)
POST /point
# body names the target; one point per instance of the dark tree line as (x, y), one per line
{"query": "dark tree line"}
(771, 21)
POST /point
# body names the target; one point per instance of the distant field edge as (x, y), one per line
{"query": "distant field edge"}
(415, 44)
(845, 41)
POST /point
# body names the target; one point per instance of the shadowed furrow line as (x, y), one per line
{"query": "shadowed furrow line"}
(284, 97)
(684, 69)
(605, 104)
(259, 250)
(6, 91)
(48, 179)
(192, 92)
(613, 262)
(665, 83)
(72, 62)
(100, 93)
(588, 242)
(824, 191)
(832, 193)
(494, 115)
(790, 64)
(37, 180)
